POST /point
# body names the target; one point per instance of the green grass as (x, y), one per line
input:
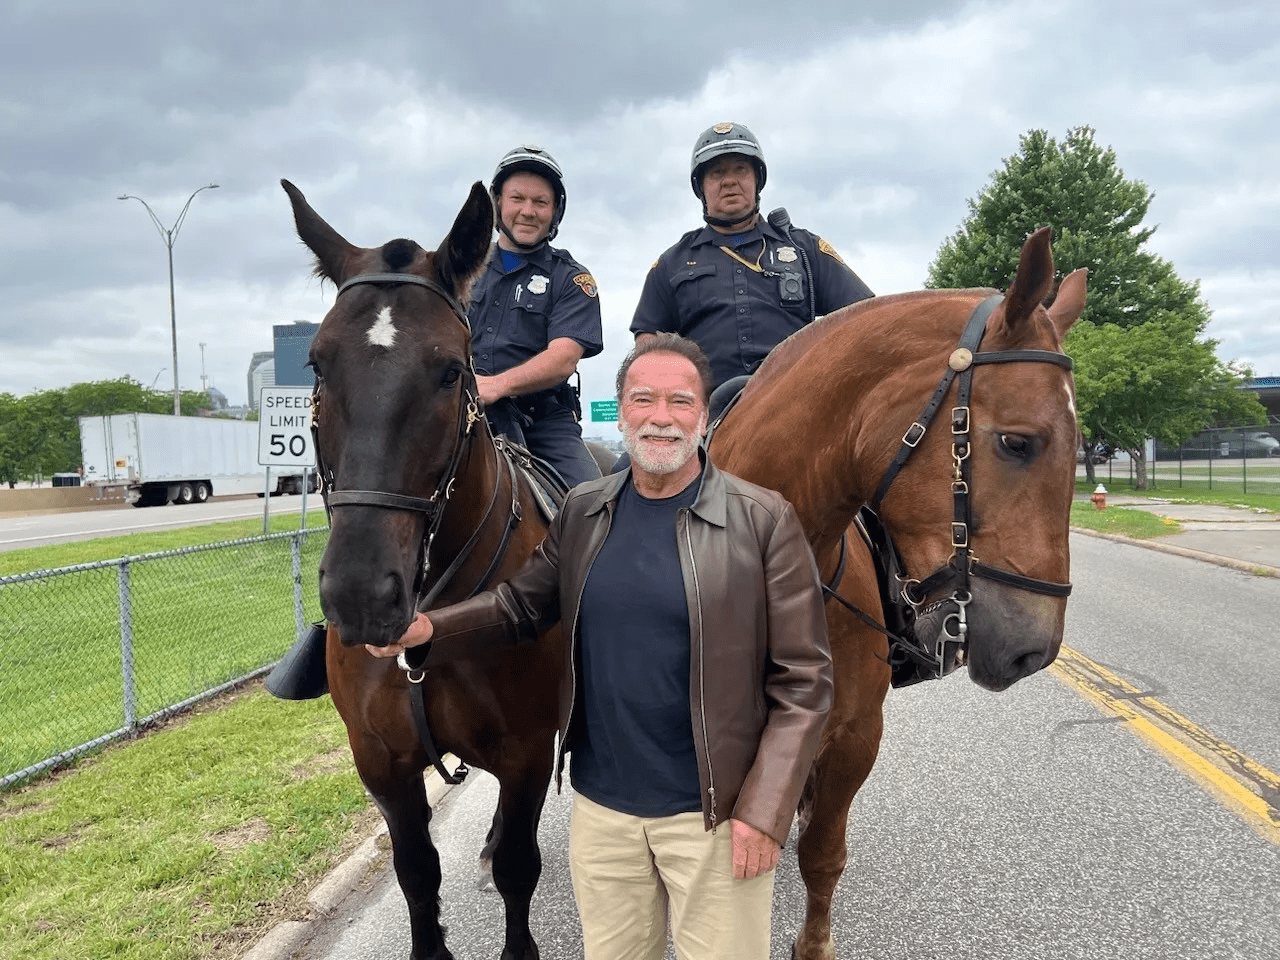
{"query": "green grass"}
(198, 620)
(1225, 498)
(1138, 524)
(188, 843)
(134, 544)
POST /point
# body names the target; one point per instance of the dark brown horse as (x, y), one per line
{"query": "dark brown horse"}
(977, 503)
(425, 510)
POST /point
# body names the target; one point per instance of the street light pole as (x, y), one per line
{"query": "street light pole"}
(170, 235)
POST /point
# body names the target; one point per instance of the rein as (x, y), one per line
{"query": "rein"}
(469, 414)
(911, 658)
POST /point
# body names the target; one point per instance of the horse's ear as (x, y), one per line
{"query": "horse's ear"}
(462, 254)
(333, 253)
(1033, 281)
(1069, 303)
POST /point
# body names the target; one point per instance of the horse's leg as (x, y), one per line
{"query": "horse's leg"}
(850, 744)
(517, 862)
(484, 874)
(398, 789)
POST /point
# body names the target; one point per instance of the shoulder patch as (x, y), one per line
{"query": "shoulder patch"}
(830, 251)
(587, 283)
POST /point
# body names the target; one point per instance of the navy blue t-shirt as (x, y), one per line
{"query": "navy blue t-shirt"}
(633, 749)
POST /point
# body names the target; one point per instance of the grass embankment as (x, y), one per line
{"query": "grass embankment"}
(188, 843)
(1142, 524)
(1125, 522)
(198, 620)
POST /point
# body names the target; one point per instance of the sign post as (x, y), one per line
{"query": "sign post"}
(284, 437)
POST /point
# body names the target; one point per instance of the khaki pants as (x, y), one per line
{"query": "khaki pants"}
(634, 875)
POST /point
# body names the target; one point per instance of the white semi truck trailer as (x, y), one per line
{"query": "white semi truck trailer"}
(159, 459)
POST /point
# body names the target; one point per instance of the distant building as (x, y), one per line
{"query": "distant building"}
(262, 373)
(293, 348)
(217, 400)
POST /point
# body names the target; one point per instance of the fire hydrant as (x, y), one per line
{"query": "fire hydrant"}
(1099, 497)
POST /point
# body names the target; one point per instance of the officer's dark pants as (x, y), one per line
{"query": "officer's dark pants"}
(555, 437)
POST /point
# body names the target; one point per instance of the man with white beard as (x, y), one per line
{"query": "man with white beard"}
(699, 679)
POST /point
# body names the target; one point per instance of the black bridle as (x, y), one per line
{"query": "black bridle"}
(907, 599)
(468, 415)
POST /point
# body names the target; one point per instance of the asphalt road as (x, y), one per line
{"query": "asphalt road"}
(1023, 825)
(17, 533)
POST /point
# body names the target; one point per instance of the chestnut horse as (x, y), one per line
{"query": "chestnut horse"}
(425, 509)
(827, 421)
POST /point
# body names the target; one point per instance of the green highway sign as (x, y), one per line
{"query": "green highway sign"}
(604, 411)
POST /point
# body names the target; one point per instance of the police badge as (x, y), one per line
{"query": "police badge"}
(538, 284)
(787, 254)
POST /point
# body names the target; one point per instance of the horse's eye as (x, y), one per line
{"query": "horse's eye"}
(451, 376)
(1015, 445)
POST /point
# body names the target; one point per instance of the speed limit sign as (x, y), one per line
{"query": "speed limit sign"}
(284, 427)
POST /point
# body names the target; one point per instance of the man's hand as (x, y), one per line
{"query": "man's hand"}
(754, 853)
(419, 632)
(490, 389)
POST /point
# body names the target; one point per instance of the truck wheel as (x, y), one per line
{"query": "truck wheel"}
(186, 493)
(202, 492)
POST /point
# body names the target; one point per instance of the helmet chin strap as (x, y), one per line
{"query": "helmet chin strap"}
(521, 247)
(720, 222)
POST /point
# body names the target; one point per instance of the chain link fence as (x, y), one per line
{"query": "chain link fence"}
(96, 652)
(1226, 459)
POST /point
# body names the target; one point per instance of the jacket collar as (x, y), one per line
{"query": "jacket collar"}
(709, 236)
(540, 257)
(710, 504)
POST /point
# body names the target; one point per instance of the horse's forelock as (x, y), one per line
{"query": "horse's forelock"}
(398, 254)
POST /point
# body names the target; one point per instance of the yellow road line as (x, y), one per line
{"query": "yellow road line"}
(1243, 785)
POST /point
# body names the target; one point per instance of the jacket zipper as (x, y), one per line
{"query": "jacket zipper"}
(702, 677)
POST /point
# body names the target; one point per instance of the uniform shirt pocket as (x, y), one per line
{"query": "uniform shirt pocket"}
(529, 326)
(694, 290)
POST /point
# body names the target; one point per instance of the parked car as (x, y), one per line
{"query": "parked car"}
(1254, 443)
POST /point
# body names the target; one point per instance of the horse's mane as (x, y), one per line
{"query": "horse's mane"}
(799, 343)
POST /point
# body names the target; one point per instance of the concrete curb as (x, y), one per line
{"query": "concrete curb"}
(1245, 566)
(289, 936)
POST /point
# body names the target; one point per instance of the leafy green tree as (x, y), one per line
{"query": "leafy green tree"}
(1144, 367)
(9, 458)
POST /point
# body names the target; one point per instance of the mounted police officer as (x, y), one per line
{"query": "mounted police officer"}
(535, 312)
(742, 284)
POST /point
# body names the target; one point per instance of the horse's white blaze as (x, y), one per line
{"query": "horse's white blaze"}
(383, 331)
(1071, 398)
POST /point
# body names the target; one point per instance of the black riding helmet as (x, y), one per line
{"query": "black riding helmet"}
(717, 141)
(529, 159)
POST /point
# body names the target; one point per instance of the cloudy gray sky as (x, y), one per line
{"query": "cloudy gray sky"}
(879, 122)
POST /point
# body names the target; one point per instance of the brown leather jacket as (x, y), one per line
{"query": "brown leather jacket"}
(760, 671)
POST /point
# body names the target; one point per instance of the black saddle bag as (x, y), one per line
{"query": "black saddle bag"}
(301, 673)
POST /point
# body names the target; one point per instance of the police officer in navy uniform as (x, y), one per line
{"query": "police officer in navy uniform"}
(742, 284)
(535, 312)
